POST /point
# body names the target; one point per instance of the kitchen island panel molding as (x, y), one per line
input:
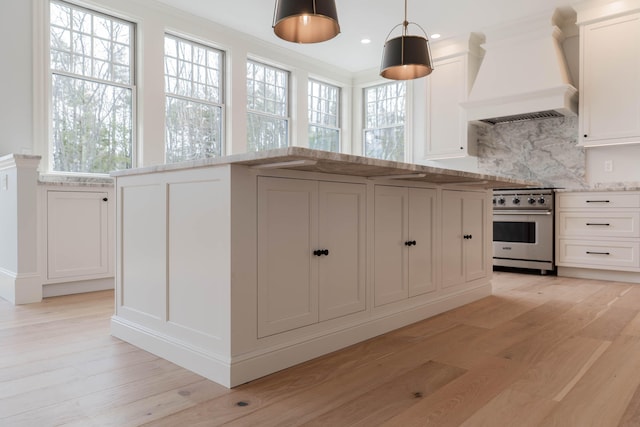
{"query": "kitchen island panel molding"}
(189, 259)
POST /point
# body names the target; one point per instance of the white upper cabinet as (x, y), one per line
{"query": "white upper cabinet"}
(609, 78)
(447, 132)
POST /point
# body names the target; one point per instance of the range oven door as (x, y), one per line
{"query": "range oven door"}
(523, 235)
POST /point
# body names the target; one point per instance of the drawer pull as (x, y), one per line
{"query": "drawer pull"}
(597, 253)
(598, 201)
(604, 224)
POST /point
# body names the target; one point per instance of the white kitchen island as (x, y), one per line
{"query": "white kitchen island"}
(240, 266)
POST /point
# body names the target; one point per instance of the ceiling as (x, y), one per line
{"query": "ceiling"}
(371, 19)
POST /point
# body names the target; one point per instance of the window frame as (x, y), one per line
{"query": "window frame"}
(404, 125)
(288, 106)
(222, 90)
(45, 106)
(338, 115)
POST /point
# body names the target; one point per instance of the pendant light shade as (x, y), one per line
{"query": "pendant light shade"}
(306, 21)
(406, 57)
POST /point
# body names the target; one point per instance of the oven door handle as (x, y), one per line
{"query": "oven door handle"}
(521, 212)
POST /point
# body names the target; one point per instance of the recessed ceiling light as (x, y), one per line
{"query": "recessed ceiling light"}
(435, 36)
(365, 41)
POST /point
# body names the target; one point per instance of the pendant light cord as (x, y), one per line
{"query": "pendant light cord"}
(405, 23)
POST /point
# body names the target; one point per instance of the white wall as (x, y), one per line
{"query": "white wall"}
(15, 75)
(625, 160)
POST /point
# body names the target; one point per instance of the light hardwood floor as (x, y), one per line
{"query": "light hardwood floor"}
(542, 351)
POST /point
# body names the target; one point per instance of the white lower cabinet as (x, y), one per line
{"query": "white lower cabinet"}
(77, 235)
(598, 230)
(311, 252)
(403, 243)
(464, 241)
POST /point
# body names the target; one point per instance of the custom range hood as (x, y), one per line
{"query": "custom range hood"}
(524, 74)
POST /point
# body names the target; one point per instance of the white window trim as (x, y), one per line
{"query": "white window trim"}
(42, 91)
(339, 116)
(223, 89)
(408, 124)
(291, 96)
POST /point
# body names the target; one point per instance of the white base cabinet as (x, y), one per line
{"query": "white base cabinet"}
(404, 243)
(77, 234)
(465, 240)
(311, 252)
(598, 231)
(236, 272)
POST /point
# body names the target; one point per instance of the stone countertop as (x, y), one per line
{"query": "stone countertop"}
(71, 180)
(308, 160)
(603, 187)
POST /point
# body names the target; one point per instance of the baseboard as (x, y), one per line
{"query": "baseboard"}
(233, 371)
(595, 274)
(20, 288)
(211, 366)
(69, 288)
(248, 367)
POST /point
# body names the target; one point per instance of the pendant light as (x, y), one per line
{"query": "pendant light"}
(406, 57)
(306, 21)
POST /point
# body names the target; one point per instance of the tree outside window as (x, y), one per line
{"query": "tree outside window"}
(267, 107)
(92, 88)
(324, 116)
(385, 115)
(194, 100)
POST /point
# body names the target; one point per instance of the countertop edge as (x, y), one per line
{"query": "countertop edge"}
(286, 158)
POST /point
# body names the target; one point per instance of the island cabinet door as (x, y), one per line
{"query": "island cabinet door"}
(453, 269)
(287, 268)
(391, 229)
(421, 231)
(464, 249)
(474, 216)
(341, 266)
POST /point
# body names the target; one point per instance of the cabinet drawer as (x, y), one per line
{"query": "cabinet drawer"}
(593, 254)
(592, 224)
(598, 200)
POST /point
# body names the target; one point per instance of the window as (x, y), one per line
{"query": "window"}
(385, 107)
(92, 89)
(324, 114)
(267, 107)
(194, 100)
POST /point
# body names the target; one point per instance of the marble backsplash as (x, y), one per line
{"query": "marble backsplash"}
(540, 150)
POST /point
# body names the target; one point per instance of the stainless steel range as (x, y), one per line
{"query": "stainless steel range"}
(523, 231)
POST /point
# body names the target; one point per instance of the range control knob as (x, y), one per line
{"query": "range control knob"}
(516, 200)
(541, 200)
(494, 200)
(501, 201)
(531, 200)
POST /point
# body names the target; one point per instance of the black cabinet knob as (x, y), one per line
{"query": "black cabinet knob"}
(467, 236)
(410, 243)
(585, 135)
(320, 252)
(104, 199)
